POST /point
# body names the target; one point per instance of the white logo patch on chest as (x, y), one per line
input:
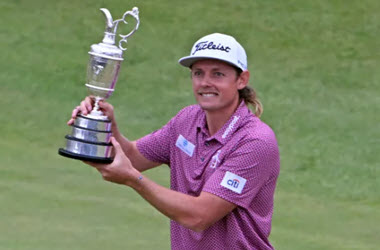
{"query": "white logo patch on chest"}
(186, 146)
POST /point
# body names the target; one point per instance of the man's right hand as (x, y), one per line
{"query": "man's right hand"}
(86, 107)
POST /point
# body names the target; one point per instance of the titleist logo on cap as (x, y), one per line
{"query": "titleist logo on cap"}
(210, 45)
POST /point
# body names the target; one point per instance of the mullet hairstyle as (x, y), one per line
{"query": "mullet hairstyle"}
(248, 94)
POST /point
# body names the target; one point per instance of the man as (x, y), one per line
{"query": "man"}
(224, 160)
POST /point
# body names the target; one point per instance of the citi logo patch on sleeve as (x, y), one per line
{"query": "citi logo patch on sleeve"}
(186, 146)
(233, 182)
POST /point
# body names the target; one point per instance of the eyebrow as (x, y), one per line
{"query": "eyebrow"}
(212, 69)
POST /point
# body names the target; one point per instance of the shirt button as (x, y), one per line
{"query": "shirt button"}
(202, 158)
(207, 144)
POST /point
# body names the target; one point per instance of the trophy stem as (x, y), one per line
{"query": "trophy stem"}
(96, 105)
(96, 113)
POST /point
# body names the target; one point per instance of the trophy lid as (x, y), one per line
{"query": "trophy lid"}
(107, 47)
(105, 50)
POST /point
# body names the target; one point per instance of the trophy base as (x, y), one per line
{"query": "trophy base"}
(94, 159)
(89, 140)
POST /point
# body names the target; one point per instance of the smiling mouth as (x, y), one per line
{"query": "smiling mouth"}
(208, 94)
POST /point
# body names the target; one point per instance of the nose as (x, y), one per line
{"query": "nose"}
(205, 81)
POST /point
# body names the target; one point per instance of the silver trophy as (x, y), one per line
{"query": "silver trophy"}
(90, 136)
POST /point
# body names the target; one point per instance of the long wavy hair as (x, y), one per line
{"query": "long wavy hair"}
(248, 94)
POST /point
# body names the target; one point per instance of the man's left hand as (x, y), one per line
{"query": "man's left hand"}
(120, 171)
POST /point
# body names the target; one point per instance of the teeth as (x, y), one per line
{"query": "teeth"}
(208, 95)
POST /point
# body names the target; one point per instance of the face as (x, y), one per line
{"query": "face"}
(216, 85)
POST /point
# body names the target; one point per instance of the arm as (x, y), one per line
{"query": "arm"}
(129, 147)
(195, 213)
(137, 159)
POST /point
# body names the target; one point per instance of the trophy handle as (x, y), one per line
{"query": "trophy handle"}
(135, 14)
(111, 26)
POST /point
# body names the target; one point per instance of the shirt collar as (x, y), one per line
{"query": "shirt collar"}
(224, 134)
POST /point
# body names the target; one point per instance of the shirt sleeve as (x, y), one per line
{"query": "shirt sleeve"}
(156, 146)
(245, 171)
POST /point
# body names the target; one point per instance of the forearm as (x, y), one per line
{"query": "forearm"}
(125, 144)
(182, 208)
(130, 150)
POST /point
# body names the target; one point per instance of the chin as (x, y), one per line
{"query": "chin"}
(208, 107)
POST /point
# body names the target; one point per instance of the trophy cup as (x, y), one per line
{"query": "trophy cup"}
(90, 135)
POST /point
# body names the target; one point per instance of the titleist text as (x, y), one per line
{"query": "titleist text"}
(210, 45)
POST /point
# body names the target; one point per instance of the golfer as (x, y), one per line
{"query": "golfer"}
(224, 161)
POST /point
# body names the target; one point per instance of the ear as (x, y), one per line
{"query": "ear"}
(243, 79)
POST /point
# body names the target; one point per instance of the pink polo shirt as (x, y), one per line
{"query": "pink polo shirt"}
(240, 163)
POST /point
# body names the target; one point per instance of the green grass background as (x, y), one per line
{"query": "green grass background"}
(315, 65)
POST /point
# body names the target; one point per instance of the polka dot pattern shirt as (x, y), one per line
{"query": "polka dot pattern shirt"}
(240, 163)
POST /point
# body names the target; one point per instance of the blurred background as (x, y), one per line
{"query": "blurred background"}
(314, 64)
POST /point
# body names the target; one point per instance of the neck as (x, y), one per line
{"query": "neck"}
(216, 119)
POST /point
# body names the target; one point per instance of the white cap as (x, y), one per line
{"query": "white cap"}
(217, 46)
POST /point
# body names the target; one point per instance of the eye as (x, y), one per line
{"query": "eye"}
(196, 73)
(218, 74)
